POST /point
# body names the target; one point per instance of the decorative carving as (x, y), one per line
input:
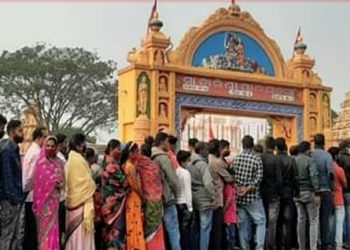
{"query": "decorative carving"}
(168, 52)
(159, 57)
(187, 114)
(142, 129)
(163, 85)
(326, 111)
(341, 128)
(163, 111)
(233, 58)
(306, 76)
(313, 125)
(185, 100)
(287, 128)
(283, 126)
(313, 101)
(131, 55)
(143, 83)
(234, 9)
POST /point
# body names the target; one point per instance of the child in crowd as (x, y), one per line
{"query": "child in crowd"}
(230, 215)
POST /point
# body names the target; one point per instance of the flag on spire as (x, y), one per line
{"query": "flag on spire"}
(298, 35)
(211, 132)
(233, 1)
(152, 15)
(154, 10)
(296, 40)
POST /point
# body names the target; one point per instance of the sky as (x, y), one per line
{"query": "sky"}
(112, 29)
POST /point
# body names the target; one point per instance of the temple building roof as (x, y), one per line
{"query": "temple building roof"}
(341, 128)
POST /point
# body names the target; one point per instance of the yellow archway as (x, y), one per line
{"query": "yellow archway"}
(292, 95)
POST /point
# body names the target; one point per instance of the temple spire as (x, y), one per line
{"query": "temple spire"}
(153, 15)
(154, 24)
(299, 45)
(234, 9)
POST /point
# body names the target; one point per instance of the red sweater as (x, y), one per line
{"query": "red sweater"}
(340, 184)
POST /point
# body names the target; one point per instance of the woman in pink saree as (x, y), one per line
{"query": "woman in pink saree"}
(48, 182)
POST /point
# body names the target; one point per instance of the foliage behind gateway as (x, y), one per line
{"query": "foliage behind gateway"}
(71, 87)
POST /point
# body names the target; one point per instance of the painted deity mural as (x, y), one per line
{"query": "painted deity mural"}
(233, 51)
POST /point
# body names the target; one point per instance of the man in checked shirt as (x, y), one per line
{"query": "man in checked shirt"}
(248, 173)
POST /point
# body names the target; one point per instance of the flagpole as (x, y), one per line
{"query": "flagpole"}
(153, 12)
(296, 39)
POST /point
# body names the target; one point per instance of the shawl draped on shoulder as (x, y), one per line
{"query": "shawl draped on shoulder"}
(152, 190)
(80, 188)
(151, 181)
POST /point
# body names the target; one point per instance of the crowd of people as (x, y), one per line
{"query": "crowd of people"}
(156, 196)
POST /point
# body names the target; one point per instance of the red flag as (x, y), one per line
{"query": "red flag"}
(298, 35)
(211, 132)
(154, 10)
(233, 1)
(296, 40)
(153, 14)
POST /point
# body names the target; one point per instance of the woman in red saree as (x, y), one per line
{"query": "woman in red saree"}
(152, 190)
(114, 189)
(48, 183)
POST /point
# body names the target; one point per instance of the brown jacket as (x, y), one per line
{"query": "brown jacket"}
(220, 175)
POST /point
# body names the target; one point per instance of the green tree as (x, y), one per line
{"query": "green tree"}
(72, 87)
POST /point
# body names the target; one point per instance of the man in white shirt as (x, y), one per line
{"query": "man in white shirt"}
(29, 164)
(62, 148)
(183, 198)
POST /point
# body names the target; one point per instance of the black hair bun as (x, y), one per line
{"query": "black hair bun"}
(149, 140)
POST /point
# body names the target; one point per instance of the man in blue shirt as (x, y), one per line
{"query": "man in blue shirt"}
(11, 192)
(325, 171)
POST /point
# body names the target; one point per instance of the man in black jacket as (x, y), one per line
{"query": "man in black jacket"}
(287, 216)
(271, 190)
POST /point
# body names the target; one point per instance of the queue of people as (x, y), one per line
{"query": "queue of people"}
(153, 196)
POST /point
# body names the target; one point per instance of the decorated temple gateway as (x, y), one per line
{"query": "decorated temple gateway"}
(226, 66)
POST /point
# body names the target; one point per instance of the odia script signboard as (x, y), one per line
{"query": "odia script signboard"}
(228, 88)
